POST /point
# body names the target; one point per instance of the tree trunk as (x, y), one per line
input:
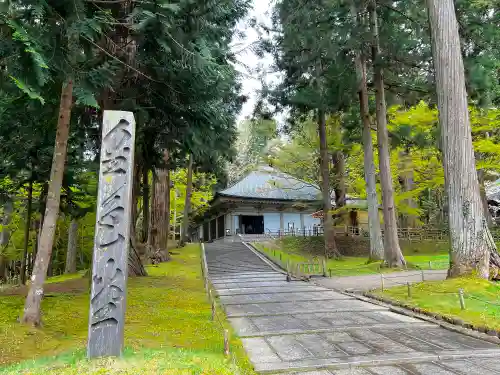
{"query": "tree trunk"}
(340, 184)
(161, 216)
(35, 294)
(27, 227)
(470, 237)
(329, 232)
(484, 199)
(376, 243)
(72, 247)
(392, 254)
(41, 211)
(187, 203)
(8, 208)
(145, 203)
(135, 266)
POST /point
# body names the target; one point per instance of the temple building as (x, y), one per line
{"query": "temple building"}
(263, 201)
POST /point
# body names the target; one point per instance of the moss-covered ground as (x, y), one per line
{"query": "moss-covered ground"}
(168, 328)
(482, 299)
(304, 249)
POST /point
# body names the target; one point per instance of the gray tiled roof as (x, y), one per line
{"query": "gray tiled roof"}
(268, 183)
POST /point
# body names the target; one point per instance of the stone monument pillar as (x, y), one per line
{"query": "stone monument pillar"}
(112, 236)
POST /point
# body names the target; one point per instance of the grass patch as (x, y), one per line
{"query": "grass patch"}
(167, 311)
(165, 362)
(442, 297)
(302, 250)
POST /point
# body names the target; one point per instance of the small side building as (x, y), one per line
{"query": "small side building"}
(264, 201)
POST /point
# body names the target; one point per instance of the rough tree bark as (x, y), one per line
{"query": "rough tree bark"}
(340, 188)
(27, 227)
(392, 254)
(470, 238)
(329, 232)
(8, 208)
(376, 243)
(35, 294)
(187, 203)
(484, 199)
(72, 247)
(145, 203)
(41, 210)
(135, 266)
(161, 211)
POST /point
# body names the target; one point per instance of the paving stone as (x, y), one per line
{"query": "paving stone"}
(448, 339)
(319, 346)
(260, 349)
(351, 371)
(288, 348)
(430, 368)
(279, 289)
(355, 348)
(379, 342)
(283, 297)
(336, 337)
(467, 367)
(388, 370)
(408, 341)
(308, 328)
(391, 316)
(492, 364)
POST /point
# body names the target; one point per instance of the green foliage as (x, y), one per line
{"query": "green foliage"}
(201, 194)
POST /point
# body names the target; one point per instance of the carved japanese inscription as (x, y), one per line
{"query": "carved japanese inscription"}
(110, 260)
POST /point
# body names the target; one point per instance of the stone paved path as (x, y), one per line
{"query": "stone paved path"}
(304, 329)
(362, 283)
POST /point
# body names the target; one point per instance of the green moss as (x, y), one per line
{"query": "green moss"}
(66, 277)
(168, 361)
(168, 309)
(301, 250)
(482, 299)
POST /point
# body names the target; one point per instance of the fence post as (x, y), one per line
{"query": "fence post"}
(430, 265)
(423, 276)
(382, 281)
(226, 342)
(461, 298)
(324, 267)
(409, 289)
(330, 272)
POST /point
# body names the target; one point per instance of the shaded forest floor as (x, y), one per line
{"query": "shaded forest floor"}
(168, 327)
(419, 255)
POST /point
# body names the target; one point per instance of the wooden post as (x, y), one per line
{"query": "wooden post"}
(423, 276)
(461, 298)
(382, 281)
(430, 265)
(324, 267)
(330, 272)
(213, 310)
(226, 342)
(112, 236)
(409, 289)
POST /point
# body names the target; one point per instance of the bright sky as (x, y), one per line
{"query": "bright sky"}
(248, 61)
